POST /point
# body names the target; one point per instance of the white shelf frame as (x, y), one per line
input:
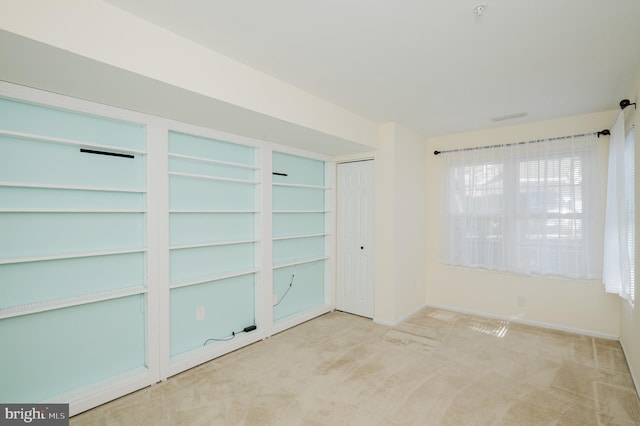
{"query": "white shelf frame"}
(326, 258)
(115, 386)
(197, 356)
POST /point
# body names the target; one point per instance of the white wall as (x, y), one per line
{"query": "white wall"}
(410, 226)
(99, 31)
(384, 294)
(400, 226)
(630, 318)
(563, 303)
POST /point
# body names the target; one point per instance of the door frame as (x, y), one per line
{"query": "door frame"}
(372, 243)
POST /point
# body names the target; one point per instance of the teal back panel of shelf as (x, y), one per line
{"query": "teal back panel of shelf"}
(186, 193)
(228, 307)
(204, 262)
(290, 224)
(68, 278)
(299, 170)
(53, 352)
(41, 120)
(306, 292)
(285, 251)
(297, 199)
(48, 198)
(50, 234)
(65, 348)
(200, 228)
(38, 162)
(196, 146)
(182, 165)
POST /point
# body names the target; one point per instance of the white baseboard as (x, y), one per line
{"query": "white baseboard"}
(287, 323)
(84, 399)
(546, 325)
(401, 320)
(193, 358)
(204, 354)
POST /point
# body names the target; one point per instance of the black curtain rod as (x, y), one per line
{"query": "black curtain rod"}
(603, 132)
(623, 104)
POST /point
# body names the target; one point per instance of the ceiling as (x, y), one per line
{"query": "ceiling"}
(23, 60)
(433, 66)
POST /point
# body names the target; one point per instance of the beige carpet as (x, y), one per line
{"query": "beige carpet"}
(438, 368)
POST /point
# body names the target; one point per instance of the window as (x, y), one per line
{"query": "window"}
(523, 208)
(550, 216)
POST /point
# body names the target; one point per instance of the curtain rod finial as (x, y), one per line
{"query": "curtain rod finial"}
(625, 103)
(604, 132)
(436, 152)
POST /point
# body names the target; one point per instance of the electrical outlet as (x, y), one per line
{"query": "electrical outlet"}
(522, 301)
(199, 313)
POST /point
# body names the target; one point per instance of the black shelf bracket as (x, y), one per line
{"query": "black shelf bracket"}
(111, 154)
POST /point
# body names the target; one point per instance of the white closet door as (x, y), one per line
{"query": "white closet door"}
(355, 238)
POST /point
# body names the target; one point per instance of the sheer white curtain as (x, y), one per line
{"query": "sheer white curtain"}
(532, 208)
(618, 265)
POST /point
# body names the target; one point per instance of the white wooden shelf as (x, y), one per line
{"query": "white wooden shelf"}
(70, 187)
(18, 210)
(63, 141)
(69, 256)
(300, 262)
(48, 305)
(211, 278)
(220, 243)
(301, 211)
(209, 161)
(299, 185)
(214, 211)
(205, 177)
(292, 237)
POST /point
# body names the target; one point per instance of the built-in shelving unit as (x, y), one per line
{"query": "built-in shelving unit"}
(212, 193)
(128, 241)
(299, 234)
(72, 249)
